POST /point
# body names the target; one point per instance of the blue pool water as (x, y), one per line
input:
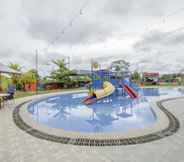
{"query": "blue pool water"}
(112, 114)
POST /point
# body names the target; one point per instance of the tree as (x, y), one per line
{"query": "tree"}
(121, 68)
(16, 78)
(16, 67)
(29, 77)
(62, 73)
(167, 77)
(136, 76)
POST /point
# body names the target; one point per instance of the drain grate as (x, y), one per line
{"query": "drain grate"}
(171, 129)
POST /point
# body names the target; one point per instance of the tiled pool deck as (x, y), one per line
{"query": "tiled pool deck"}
(18, 146)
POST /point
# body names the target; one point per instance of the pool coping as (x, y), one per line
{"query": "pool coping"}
(166, 125)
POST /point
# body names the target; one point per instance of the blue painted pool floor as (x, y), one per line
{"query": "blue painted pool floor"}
(112, 114)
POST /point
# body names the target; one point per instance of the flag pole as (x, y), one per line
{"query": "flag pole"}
(36, 62)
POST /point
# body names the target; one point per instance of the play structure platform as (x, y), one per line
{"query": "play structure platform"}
(107, 90)
(105, 84)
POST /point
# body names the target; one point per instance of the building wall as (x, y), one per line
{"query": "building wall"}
(30, 87)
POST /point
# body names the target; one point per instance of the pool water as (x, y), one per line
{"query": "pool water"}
(112, 114)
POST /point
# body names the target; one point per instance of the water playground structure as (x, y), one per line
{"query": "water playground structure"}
(112, 112)
(106, 83)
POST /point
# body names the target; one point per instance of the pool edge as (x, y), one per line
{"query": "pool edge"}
(172, 128)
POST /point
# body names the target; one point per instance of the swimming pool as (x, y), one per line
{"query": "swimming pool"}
(112, 114)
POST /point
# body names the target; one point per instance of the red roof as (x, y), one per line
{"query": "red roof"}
(146, 74)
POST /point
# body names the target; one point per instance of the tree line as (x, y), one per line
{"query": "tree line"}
(61, 75)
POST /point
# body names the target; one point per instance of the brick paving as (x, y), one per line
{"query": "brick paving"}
(18, 146)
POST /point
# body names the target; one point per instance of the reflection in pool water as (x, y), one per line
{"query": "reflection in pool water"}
(112, 114)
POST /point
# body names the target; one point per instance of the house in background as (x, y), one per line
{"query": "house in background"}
(151, 78)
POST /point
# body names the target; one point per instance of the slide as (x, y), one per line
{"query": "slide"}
(130, 91)
(107, 90)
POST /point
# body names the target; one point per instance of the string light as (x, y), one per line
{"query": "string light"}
(68, 25)
(164, 18)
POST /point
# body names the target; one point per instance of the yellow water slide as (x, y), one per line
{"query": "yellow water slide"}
(107, 90)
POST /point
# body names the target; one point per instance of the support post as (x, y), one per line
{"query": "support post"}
(36, 61)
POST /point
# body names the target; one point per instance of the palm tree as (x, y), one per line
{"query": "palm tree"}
(16, 67)
(15, 78)
(62, 73)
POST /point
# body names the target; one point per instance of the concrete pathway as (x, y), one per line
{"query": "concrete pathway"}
(18, 146)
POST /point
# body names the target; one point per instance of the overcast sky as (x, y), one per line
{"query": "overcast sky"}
(149, 34)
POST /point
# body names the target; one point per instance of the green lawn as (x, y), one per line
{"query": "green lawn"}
(164, 86)
(20, 94)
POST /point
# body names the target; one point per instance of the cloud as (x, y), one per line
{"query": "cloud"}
(156, 39)
(161, 51)
(85, 32)
(141, 8)
(53, 23)
(105, 31)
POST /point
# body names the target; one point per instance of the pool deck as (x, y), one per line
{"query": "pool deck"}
(18, 146)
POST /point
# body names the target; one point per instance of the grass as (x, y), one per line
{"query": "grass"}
(164, 86)
(20, 94)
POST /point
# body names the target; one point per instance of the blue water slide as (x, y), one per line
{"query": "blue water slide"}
(115, 82)
(97, 84)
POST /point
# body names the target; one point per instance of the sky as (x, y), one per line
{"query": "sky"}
(148, 34)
